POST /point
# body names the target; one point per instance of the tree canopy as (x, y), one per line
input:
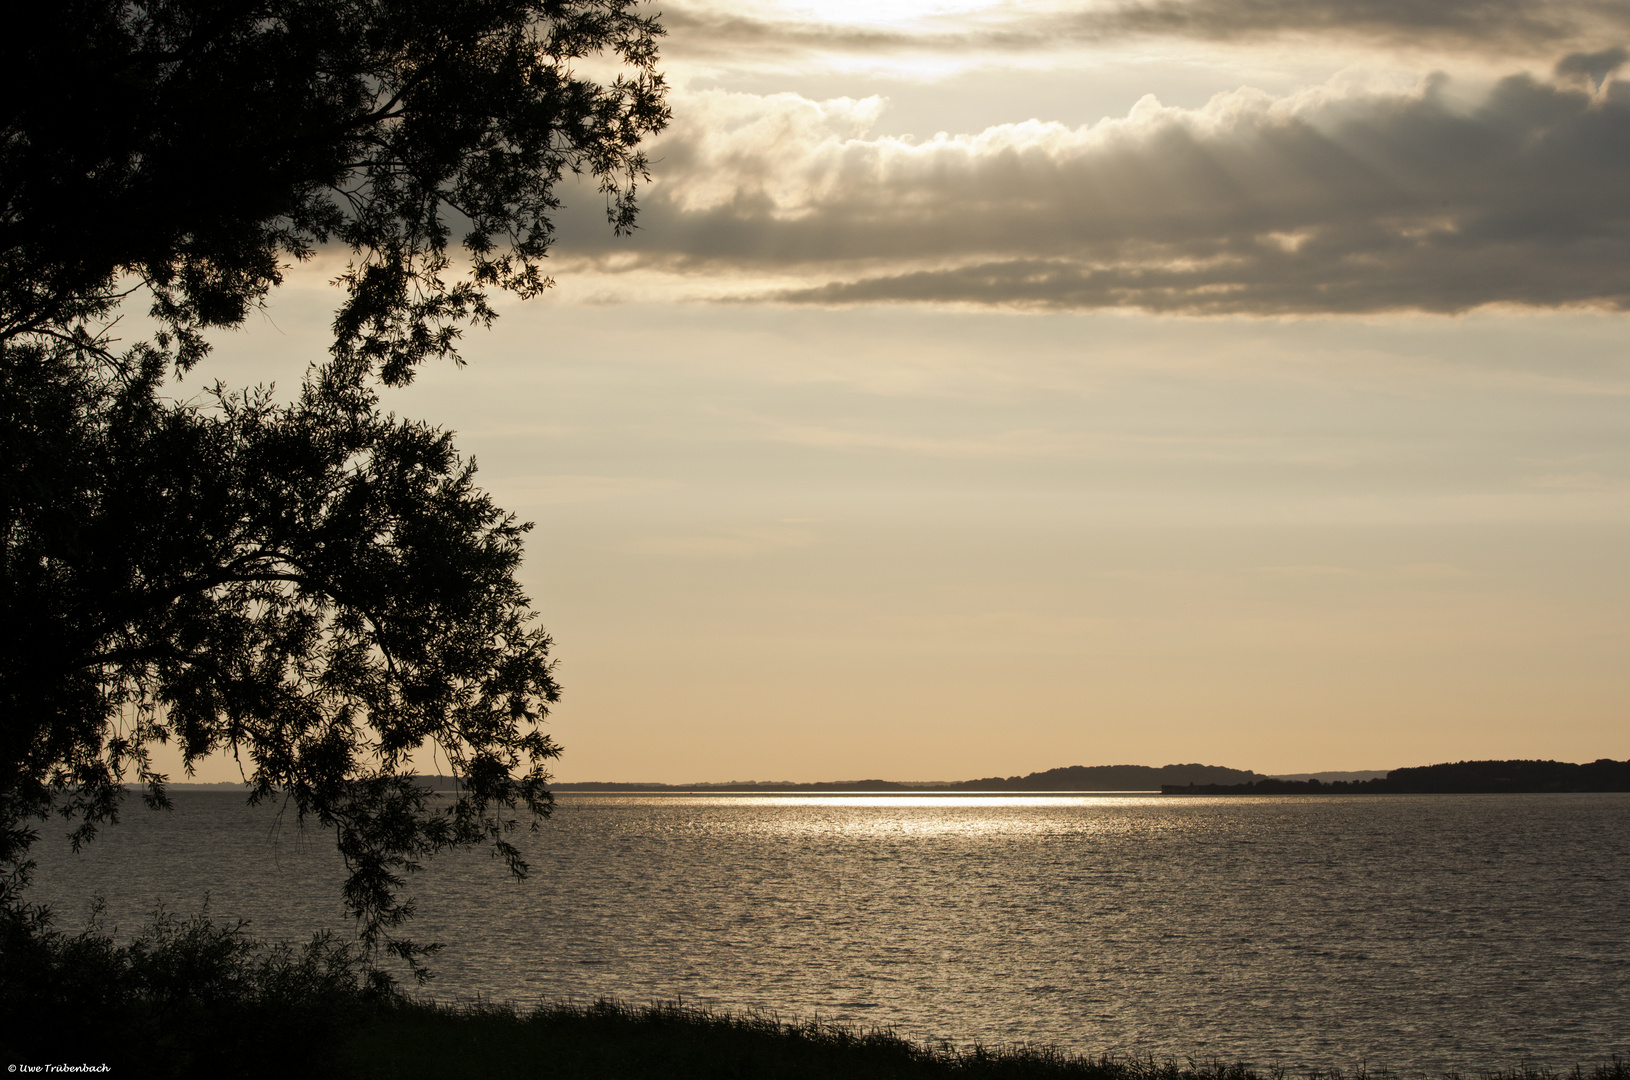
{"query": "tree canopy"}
(317, 587)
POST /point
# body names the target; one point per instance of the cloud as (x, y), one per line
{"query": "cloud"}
(560, 488)
(727, 544)
(1343, 198)
(1594, 68)
(1504, 27)
(1405, 572)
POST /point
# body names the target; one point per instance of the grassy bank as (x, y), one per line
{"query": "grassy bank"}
(614, 1041)
(195, 999)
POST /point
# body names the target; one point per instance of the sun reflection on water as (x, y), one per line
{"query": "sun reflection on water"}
(917, 800)
(934, 799)
(893, 815)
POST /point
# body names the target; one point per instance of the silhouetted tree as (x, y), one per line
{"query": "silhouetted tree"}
(317, 587)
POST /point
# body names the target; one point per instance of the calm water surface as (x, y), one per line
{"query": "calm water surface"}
(1420, 933)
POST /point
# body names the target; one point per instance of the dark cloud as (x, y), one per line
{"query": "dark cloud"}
(1441, 280)
(1502, 26)
(1330, 202)
(1593, 67)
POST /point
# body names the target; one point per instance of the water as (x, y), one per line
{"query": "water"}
(1418, 933)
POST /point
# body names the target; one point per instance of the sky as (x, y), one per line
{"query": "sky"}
(997, 387)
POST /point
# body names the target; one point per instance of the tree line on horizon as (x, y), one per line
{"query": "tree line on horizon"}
(1196, 779)
(1067, 778)
(1448, 778)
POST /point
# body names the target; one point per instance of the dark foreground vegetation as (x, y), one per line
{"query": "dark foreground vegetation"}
(1450, 778)
(193, 998)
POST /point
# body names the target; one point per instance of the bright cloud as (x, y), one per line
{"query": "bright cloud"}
(1345, 197)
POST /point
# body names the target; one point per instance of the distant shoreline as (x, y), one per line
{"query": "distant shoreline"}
(1450, 778)
(1461, 777)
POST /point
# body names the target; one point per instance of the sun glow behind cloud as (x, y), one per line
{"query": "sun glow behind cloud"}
(1353, 195)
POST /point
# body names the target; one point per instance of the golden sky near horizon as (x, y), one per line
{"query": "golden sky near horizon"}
(996, 387)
